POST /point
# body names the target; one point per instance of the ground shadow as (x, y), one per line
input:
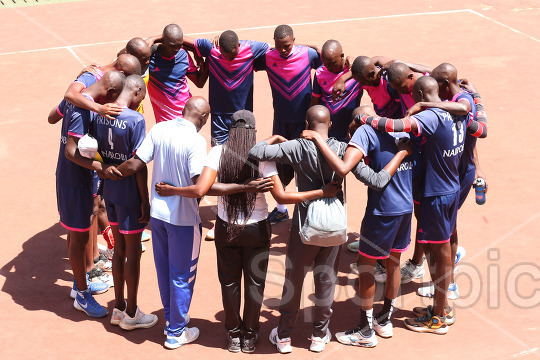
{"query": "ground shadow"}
(32, 276)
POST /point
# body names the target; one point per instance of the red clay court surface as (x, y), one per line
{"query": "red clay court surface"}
(494, 43)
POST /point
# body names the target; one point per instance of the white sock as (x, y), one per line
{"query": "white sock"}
(281, 208)
(369, 315)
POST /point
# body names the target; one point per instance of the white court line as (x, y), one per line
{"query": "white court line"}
(502, 24)
(245, 29)
(46, 29)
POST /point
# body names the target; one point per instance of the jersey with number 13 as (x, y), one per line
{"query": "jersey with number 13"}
(441, 153)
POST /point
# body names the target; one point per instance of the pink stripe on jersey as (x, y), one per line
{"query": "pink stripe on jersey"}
(75, 135)
(290, 67)
(59, 112)
(165, 106)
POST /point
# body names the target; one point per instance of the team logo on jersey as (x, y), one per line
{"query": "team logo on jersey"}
(156, 69)
(274, 65)
(324, 83)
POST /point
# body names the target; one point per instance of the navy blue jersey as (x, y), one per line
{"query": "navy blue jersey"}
(118, 140)
(442, 150)
(379, 149)
(88, 79)
(467, 162)
(76, 122)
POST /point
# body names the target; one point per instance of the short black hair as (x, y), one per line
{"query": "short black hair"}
(228, 41)
(282, 31)
(397, 71)
(359, 65)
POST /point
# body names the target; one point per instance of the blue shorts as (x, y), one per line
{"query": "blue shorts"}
(219, 128)
(437, 218)
(380, 235)
(465, 182)
(126, 218)
(75, 206)
(288, 130)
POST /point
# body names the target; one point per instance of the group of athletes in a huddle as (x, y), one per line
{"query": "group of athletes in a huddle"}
(415, 149)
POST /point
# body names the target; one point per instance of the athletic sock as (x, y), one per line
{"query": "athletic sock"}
(281, 208)
(366, 322)
(386, 312)
(108, 236)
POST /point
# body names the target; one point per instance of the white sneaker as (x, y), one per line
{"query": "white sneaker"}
(429, 291)
(411, 271)
(143, 248)
(379, 273)
(355, 337)
(354, 246)
(117, 316)
(105, 278)
(385, 330)
(145, 236)
(140, 320)
(460, 254)
(189, 335)
(167, 324)
(318, 344)
(210, 234)
(283, 345)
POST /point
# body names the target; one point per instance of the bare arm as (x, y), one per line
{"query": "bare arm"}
(54, 116)
(201, 187)
(199, 78)
(252, 185)
(383, 62)
(285, 197)
(141, 178)
(74, 95)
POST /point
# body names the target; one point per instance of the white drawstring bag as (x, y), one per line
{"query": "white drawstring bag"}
(326, 221)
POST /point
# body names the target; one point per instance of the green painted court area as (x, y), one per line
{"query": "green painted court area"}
(20, 3)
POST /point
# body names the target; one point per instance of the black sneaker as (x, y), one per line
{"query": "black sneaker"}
(234, 344)
(248, 345)
(277, 216)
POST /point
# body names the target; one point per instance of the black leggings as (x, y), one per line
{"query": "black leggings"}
(248, 253)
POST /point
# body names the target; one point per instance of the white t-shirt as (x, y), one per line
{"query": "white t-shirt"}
(179, 153)
(260, 211)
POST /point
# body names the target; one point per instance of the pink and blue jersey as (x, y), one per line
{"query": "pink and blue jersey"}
(290, 81)
(384, 99)
(118, 140)
(441, 152)
(379, 149)
(76, 122)
(340, 110)
(467, 163)
(231, 82)
(167, 85)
